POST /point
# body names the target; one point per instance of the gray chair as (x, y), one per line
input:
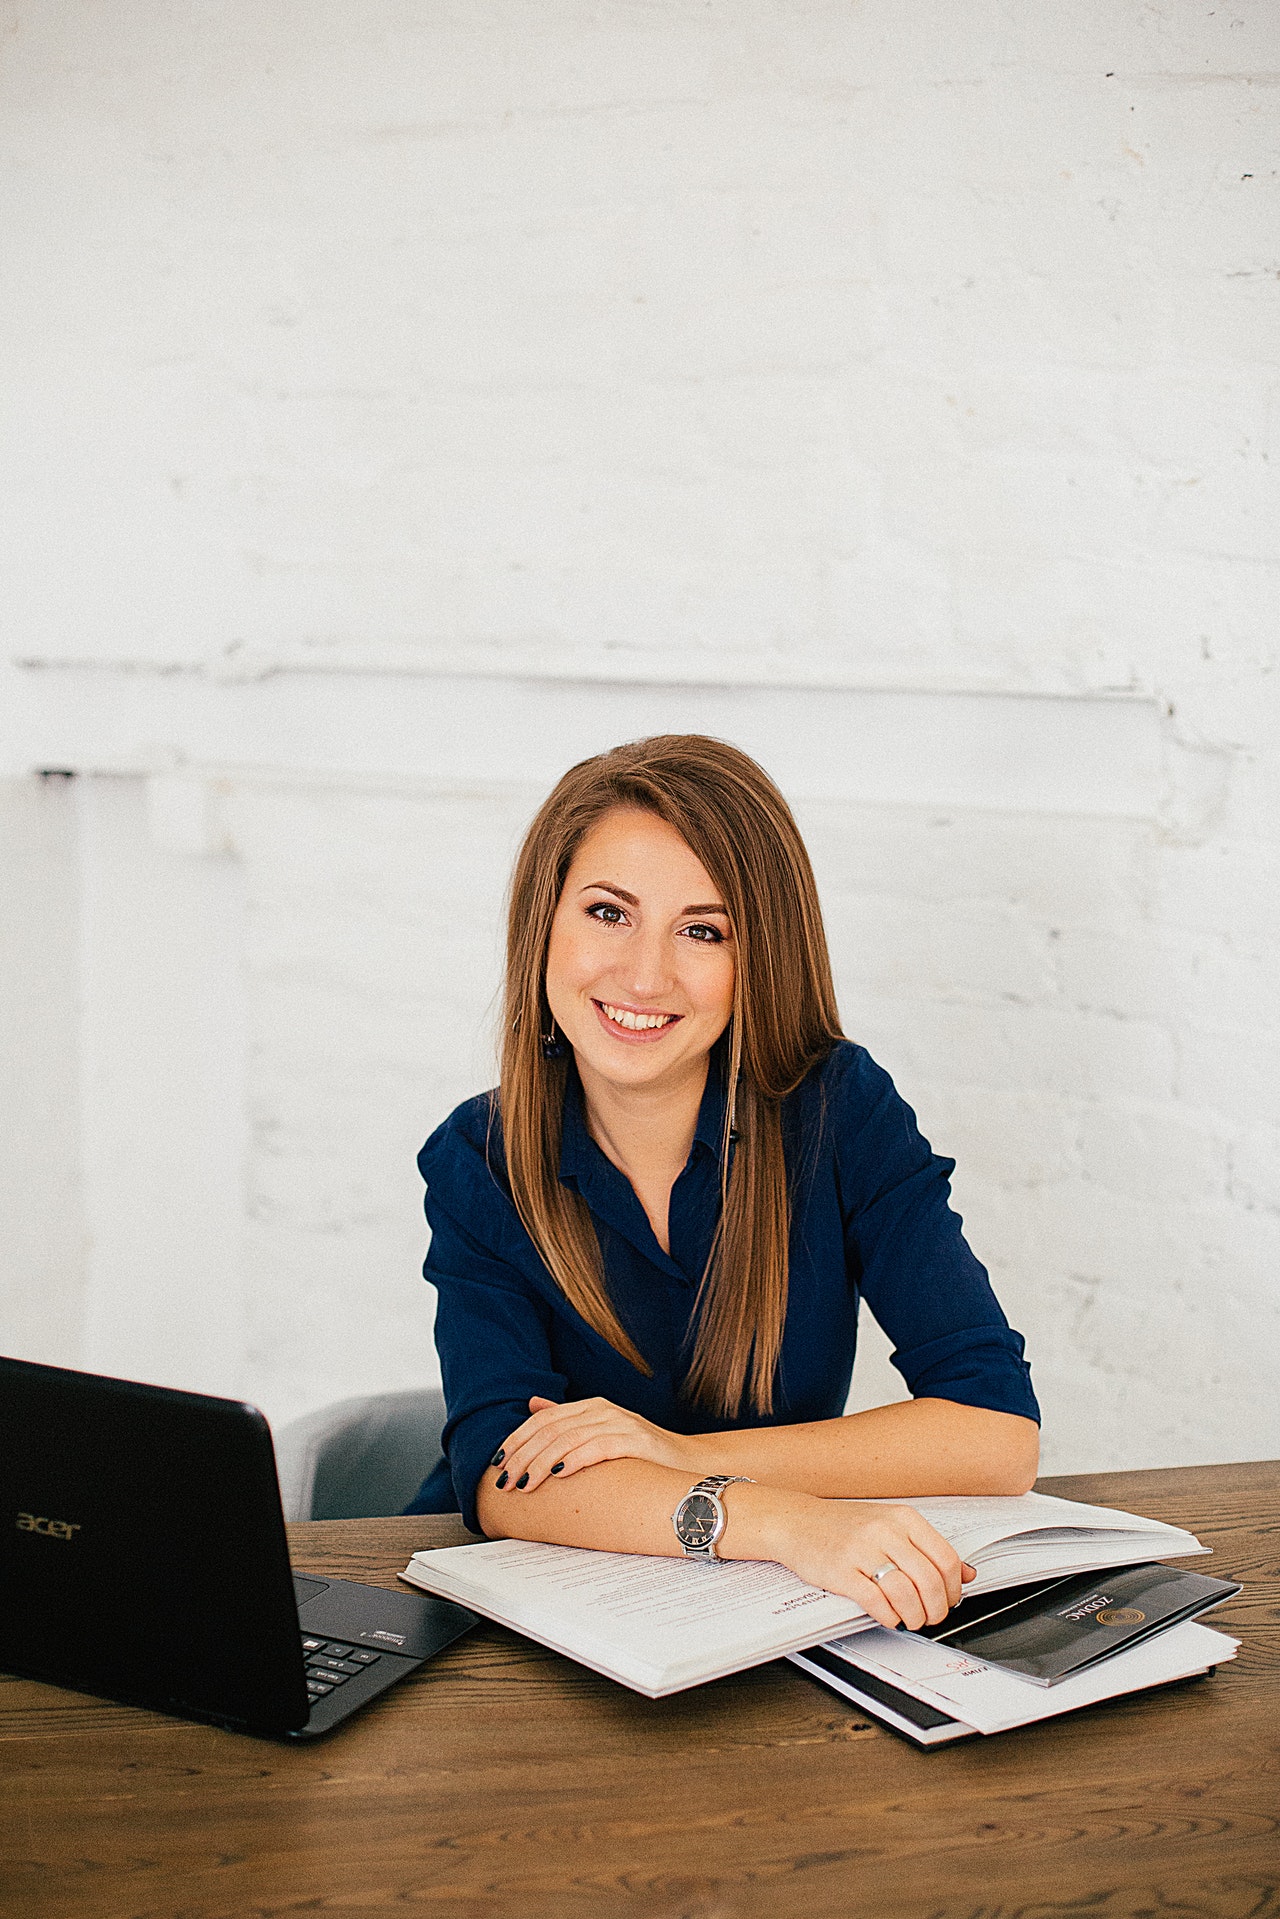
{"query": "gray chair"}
(359, 1458)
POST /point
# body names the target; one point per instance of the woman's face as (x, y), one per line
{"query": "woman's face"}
(640, 966)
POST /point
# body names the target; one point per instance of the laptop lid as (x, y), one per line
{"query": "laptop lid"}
(142, 1548)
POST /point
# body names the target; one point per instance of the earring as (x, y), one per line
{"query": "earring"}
(553, 1047)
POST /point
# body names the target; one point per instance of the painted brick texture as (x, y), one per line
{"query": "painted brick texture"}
(908, 345)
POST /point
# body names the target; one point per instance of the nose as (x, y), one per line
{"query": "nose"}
(646, 974)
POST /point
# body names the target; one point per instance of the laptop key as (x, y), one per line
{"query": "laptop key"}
(338, 1650)
(329, 1678)
(332, 1665)
(316, 1690)
(311, 1645)
(364, 1657)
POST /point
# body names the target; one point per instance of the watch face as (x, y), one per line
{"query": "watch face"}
(699, 1520)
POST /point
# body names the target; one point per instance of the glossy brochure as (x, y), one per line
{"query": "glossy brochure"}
(1049, 1632)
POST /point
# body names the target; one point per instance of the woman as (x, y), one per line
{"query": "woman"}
(650, 1244)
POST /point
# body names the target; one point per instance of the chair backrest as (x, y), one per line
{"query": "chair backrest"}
(359, 1458)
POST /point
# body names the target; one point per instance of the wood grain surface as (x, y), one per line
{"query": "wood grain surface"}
(503, 1782)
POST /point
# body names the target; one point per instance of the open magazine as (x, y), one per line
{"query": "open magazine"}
(1036, 1536)
(661, 1625)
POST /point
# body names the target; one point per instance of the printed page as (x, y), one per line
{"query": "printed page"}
(994, 1701)
(975, 1524)
(654, 1623)
(1004, 1565)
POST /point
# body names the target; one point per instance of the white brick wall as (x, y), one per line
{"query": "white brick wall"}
(42, 1222)
(925, 347)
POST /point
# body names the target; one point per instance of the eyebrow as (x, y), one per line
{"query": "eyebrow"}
(629, 899)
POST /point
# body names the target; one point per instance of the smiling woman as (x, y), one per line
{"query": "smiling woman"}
(641, 986)
(650, 1244)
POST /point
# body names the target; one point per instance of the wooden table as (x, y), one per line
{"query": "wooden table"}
(502, 1782)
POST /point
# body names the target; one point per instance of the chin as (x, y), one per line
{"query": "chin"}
(628, 1065)
(621, 1065)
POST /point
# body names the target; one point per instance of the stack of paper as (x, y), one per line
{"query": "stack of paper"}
(964, 1695)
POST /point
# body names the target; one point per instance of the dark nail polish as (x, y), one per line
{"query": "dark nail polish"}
(502, 1480)
(558, 1467)
(499, 1456)
(522, 1482)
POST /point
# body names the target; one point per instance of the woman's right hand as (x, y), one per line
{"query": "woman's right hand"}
(840, 1544)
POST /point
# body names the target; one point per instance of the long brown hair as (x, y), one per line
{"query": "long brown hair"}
(732, 816)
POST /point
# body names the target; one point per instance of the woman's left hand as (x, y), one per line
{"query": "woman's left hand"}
(560, 1440)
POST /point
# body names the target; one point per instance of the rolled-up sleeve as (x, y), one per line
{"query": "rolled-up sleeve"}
(493, 1337)
(909, 1257)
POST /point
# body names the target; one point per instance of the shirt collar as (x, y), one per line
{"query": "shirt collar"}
(709, 1131)
(577, 1148)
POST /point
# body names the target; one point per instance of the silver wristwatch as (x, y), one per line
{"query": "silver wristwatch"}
(700, 1518)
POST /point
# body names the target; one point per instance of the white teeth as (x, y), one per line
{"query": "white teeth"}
(635, 1022)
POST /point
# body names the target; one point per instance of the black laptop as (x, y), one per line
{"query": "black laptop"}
(143, 1556)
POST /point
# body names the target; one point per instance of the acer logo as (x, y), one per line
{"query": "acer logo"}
(51, 1528)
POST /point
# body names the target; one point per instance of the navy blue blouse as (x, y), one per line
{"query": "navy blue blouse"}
(871, 1220)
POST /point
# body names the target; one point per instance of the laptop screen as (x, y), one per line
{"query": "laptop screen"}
(142, 1548)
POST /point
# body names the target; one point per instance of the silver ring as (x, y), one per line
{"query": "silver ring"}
(888, 1567)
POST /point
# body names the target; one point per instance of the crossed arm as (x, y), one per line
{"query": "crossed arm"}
(589, 1473)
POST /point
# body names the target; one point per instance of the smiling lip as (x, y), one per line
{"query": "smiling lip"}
(635, 1035)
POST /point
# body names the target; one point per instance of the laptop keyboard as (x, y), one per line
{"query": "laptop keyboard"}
(331, 1662)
